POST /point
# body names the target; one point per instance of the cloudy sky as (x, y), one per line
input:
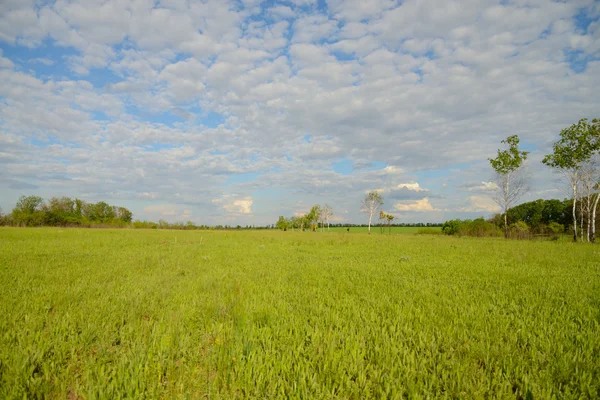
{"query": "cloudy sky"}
(236, 112)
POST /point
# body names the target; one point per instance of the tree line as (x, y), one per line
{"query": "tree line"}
(64, 211)
(311, 220)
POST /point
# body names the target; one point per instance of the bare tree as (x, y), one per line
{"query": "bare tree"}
(371, 205)
(327, 213)
(510, 180)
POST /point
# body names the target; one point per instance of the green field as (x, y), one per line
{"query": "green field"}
(394, 230)
(195, 314)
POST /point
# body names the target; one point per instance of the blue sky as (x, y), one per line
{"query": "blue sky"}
(236, 112)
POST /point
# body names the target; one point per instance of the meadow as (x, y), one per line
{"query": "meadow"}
(111, 314)
(394, 230)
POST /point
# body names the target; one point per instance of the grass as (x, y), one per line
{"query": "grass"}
(394, 230)
(196, 314)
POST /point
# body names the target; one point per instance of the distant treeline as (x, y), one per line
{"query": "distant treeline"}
(534, 218)
(400, 224)
(34, 211)
(64, 211)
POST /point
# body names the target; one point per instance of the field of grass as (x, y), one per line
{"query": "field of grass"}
(194, 314)
(394, 230)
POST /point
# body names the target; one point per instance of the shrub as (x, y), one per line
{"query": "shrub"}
(520, 230)
(451, 227)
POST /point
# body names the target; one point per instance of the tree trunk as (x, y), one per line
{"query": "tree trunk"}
(370, 216)
(593, 238)
(588, 212)
(574, 213)
(581, 220)
(506, 188)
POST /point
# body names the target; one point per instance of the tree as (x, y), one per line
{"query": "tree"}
(312, 217)
(28, 211)
(390, 218)
(510, 182)
(283, 223)
(371, 204)
(575, 147)
(593, 237)
(587, 205)
(327, 213)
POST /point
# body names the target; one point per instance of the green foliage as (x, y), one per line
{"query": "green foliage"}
(63, 211)
(555, 227)
(113, 314)
(540, 213)
(477, 228)
(576, 145)
(451, 227)
(520, 230)
(283, 223)
(511, 159)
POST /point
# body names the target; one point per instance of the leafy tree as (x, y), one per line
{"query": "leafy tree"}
(29, 211)
(124, 215)
(575, 148)
(283, 223)
(371, 204)
(312, 217)
(390, 218)
(510, 182)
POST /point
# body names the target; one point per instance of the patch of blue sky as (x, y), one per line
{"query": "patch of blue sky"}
(218, 153)
(343, 167)
(159, 146)
(243, 177)
(307, 138)
(430, 54)
(40, 143)
(583, 19)
(166, 117)
(46, 60)
(99, 116)
(210, 119)
(322, 6)
(578, 60)
(377, 165)
(343, 56)
(100, 77)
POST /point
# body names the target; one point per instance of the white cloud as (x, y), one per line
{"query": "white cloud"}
(422, 205)
(201, 98)
(414, 186)
(483, 187)
(480, 204)
(233, 205)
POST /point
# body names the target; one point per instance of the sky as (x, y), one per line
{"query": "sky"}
(236, 112)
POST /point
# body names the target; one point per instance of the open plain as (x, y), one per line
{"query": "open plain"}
(266, 314)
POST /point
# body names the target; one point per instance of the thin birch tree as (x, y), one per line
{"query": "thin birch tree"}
(371, 204)
(571, 152)
(510, 180)
(327, 213)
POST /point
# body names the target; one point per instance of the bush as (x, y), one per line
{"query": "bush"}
(519, 230)
(451, 227)
(477, 227)
(556, 228)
